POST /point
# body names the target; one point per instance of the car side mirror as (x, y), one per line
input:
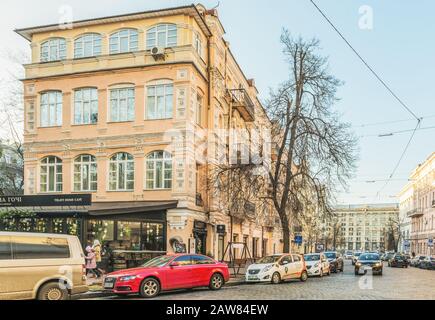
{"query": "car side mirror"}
(174, 264)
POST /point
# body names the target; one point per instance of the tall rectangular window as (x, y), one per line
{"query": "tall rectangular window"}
(122, 104)
(198, 110)
(159, 101)
(51, 109)
(86, 106)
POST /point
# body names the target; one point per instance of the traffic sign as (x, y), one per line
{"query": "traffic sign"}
(430, 242)
(298, 239)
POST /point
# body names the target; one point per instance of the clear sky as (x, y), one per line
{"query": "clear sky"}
(400, 47)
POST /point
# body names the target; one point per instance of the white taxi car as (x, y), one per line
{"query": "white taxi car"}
(317, 264)
(276, 268)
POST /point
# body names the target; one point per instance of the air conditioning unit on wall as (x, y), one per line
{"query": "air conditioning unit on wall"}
(158, 53)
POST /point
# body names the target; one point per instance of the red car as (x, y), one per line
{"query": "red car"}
(168, 272)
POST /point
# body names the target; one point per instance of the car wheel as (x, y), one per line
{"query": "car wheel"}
(216, 281)
(53, 291)
(304, 276)
(276, 278)
(149, 288)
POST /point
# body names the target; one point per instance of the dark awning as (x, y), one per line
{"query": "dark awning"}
(115, 208)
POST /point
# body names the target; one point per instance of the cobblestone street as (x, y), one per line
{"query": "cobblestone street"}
(395, 283)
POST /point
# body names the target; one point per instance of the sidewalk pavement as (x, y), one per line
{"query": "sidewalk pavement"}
(96, 286)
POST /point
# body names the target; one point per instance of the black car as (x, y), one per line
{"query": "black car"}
(368, 261)
(335, 259)
(398, 260)
(387, 256)
(428, 263)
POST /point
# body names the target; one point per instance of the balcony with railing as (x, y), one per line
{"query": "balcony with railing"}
(243, 103)
(415, 212)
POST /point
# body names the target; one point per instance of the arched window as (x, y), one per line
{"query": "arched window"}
(87, 45)
(51, 109)
(51, 174)
(121, 172)
(125, 40)
(85, 173)
(159, 170)
(85, 106)
(159, 100)
(53, 49)
(162, 35)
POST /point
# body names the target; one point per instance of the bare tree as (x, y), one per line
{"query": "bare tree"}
(11, 168)
(393, 233)
(312, 148)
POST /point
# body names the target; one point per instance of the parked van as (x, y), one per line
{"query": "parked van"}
(41, 266)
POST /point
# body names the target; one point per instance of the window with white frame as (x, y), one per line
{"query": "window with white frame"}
(198, 44)
(121, 172)
(85, 173)
(125, 40)
(159, 170)
(53, 50)
(198, 111)
(121, 104)
(86, 106)
(162, 35)
(88, 45)
(50, 174)
(51, 109)
(159, 101)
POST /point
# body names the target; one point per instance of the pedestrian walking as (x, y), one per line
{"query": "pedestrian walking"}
(96, 247)
(91, 264)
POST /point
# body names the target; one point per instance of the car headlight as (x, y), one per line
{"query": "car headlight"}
(267, 268)
(127, 278)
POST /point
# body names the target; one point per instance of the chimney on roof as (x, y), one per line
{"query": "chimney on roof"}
(251, 82)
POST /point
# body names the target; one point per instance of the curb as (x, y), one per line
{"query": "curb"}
(101, 293)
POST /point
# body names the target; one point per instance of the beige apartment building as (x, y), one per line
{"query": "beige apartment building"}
(362, 227)
(418, 203)
(126, 108)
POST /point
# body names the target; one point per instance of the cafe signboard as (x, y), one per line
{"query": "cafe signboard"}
(48, 200)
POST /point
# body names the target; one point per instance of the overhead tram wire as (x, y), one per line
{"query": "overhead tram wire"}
(386, 87)
(365, 63)
(388, 134)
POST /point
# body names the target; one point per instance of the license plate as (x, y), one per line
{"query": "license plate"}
(252, 278)
(109, 284)
(368, 268)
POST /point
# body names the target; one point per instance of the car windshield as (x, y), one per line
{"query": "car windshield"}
(330, 255)
(357, 254)
(157, 262)
(312, 257)
(369, 256)
(422, 258)
(269, 259)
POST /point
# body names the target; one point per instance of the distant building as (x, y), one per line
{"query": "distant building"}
(363, 227)
(417, 201)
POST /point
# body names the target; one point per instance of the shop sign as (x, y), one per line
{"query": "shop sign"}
(220, 229)
(46, 200)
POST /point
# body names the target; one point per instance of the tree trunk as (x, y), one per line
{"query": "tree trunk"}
(286, 238)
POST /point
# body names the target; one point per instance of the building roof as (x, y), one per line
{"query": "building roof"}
(374, 206)
(190, 10)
